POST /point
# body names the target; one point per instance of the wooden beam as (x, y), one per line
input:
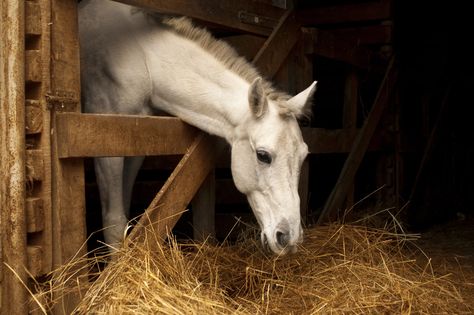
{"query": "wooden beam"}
(278, 45)
(174, 197)
(95, 135)
(13, 294)
(67, 175)
(346, 13)
(326, 44)
(245, 15)
(339, 192)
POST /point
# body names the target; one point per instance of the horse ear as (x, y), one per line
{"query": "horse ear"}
(257, 98)
(300, 104)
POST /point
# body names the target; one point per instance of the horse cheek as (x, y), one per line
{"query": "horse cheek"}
(243, 167)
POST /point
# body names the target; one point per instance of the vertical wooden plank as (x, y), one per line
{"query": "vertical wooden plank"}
(204, 210)
(12, 158)
(68, 200)
(349, 117)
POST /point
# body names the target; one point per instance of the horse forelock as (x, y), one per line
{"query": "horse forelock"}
(223, 52)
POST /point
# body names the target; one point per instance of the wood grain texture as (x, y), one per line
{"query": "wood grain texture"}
(12, 159)
(95, 135)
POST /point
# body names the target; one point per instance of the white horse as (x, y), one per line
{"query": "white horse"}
(134, 64)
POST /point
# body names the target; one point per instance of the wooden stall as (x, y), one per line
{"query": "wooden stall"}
(44, 138)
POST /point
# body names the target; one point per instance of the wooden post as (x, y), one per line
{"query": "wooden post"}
(68, 199)
(13, 295)
(204, 210)
(349, 118)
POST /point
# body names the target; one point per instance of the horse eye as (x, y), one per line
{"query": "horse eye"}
(264, 156)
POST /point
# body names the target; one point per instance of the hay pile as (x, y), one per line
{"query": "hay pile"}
(339, 269)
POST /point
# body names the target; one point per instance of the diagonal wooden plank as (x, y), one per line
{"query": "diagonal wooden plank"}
(173, 198)
(245, 15)
(338, 194)
(278, 45)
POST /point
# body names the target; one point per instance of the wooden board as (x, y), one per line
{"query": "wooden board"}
(245, 15)
(67, 184)
(13, 295)
(95, 135)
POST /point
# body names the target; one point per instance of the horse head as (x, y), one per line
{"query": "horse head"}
(267, 153)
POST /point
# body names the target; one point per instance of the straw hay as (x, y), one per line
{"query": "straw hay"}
(339, 269)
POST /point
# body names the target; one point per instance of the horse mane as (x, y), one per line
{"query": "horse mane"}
(222, 51)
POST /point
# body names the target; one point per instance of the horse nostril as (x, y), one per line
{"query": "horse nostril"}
(282, 238)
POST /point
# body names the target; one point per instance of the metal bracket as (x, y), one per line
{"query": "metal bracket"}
(255, 19)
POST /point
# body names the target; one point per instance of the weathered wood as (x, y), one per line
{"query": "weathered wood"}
(34, 165)
(327, 44)
(249, 16)
(12, 159)
(34, 117)
(67, 186)
(93, 135)
(346, 13)
(32, 66)
(34, 215)
(33, 18)
(173, 198)
(278, 45)
(35, 260)
(38, 122)
(339, 192)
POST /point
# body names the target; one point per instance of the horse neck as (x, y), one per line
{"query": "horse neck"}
(191, 84)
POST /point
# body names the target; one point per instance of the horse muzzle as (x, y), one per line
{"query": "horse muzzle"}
(281, 242)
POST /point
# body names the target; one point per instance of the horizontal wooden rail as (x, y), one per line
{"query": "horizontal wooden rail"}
(95, 135)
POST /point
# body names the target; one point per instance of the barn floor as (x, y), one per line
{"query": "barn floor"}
(451, 250)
